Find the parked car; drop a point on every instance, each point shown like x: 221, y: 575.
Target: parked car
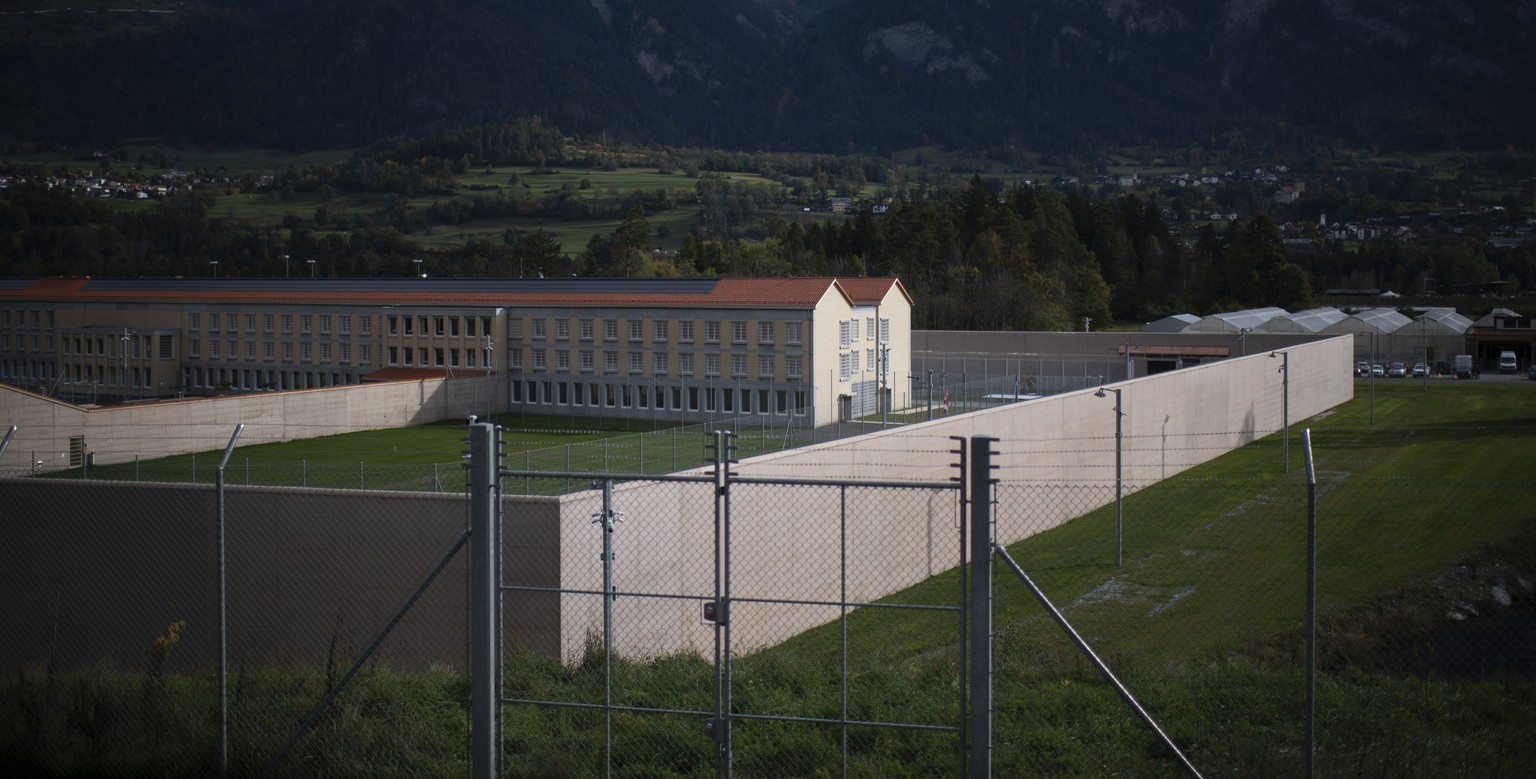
x: 1397, y: 370
x: 1378, y: 370
x: 1420, y: 370
x: 1507, y: 362
x: 1531, y: 372
x: 1362, y: 368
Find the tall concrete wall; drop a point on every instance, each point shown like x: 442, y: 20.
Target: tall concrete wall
x: 116, y: 434
x: 787, y: 539
x: 94, y: 571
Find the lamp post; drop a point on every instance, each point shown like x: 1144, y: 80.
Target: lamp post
x: 1424, y: 328
x: 1242, y: 341
x: 930, y: 390
x: 285, y: 266
x: 490, y: 394
x: 126, y: 337
x: 1119, y: 449
x: 215, y: 265
x: 1285, y: 370
x: 311, y: 268
x: 419, y: 274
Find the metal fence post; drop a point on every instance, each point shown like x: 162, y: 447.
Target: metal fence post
x: 607, y: 518
x: 1306, y: 445
x: 224, y: 609
x: 980, y: 489
x: 482, y: 533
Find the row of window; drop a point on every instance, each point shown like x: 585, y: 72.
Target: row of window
x: 848, y: 331
x: 307, y: 323
x: 853, y: 362
x: 729, y: 400
x: 661, y: 363
x: 37, y: 316
x: 661, y: 330
x: 230, y: 350
x: 447, y: 326
x: 37, y: 341
x: 439, y: 357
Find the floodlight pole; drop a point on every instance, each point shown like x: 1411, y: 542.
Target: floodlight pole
x: 1424, y: 329
x: 1285, y: 370
x: 1242, y: 341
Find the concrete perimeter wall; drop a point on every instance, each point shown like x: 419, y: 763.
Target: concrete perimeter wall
x: 116, y: 434
x: 786, y: 540
x: 94, y: 571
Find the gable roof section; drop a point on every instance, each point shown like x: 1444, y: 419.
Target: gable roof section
x: 864, y: 290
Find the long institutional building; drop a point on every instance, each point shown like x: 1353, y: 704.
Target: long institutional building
x: 672, y: 349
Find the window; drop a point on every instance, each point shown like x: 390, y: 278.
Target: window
x: 844, y: 365
x: 636, y: 329
x: 885, y: 330
x: 585, y: 329
x: 288, y: 352
x: 685, y: 364
x: 562, y: 359
x: 515, y: 356
x: 344, y: 323
x: 437, y: 357
x: 346, y: 354
x: 422, y: 328
x: 469, y: 327
x: 685, y: 332
x: 586, y: 360
x: 659, y: 331
x: 869, y: 328
x: 869, y: 359
x: 538, y: 359
x: 438, y: 326
x: 325, y: 352
x: 636, y: 362
x: 365, y: 354
x: 287, y: 323
x: 855, y: 360
x: 194, y: 348
x: 325, y: 324
x: 194, y: 321
x: 765, y: 366
x: 538, y: 328
x: 232, y: 349
x: 453, y: 355
x: 659, y: 363
x: 712, y: 332
x: 792, y: 332
x: 394, y: 356
x: 562, y: 328
x: 365, y: 325
x: 250, y: 350
x: 266, y: 351
x: 738, y: 365
x: 306, y: 352
x: 453, y: 326
x: 844, y: 333
x: 304, y: 323
x: 738, y: 332
x: 232, y: 321
x: 854, y: 328
x: 610, y: 362
x: 266, y: 323
x: 765, y: 332
x: 711, y: 365
x: 610, y: 329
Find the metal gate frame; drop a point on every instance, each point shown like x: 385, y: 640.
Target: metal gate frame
x: 717, y: 609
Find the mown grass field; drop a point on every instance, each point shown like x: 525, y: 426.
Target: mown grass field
x: 1420, y: 514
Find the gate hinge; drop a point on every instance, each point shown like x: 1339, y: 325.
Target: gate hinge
x: 715, y: 611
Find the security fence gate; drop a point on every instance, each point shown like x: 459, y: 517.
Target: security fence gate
x: 699, y: 625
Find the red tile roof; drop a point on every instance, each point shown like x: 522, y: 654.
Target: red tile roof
x: 727, y: 292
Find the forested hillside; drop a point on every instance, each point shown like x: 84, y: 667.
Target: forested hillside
x: 1060, y: 76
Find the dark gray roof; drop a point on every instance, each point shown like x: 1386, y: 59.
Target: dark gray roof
x: 567, y: 285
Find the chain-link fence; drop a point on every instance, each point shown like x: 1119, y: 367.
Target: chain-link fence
x: 679, y: 625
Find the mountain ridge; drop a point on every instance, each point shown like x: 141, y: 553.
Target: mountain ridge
x: 823, y: 75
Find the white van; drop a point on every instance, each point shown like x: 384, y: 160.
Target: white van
x: 1507, y: 361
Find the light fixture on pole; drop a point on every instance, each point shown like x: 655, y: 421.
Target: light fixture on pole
x: 215, y: 265
x: 419, y: 273
x: 1119, y: 449
x: 285, y: 266
x: 1242, y: 341
x: 311, y: 268
x: 1285, y: 369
